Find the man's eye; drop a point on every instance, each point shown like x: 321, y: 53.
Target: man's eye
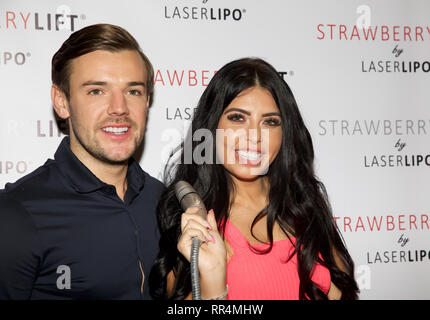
x: 235, y: 117
x: 135, y: 92
x: 95, y: 92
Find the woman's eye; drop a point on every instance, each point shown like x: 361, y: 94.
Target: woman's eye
x: 235, y: 117
x: 95, y: 92
x: 273, y: 122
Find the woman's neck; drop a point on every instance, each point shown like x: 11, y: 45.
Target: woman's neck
x: 254, y: 194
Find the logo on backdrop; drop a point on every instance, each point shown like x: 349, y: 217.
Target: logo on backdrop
x: 399, y: 225
x: 61, y: 19
x: 35, y: 128
x: 20, y: 128
x: 404, y: 254
x: 15, y: 166
x: 50, y: 128
x: 381, y: 223
x: 395, y: 66
x: 14, y: 58
x: 202, y: 11
x: 189, y: 78
x: 364, y: 31
x: 399, y: 156
x: 183, y: 78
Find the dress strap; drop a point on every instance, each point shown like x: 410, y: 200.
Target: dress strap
x: 233, y: 235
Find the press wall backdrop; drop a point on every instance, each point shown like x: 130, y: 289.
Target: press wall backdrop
x: 360, y: 72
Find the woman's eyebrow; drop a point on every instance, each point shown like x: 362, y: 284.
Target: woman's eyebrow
x: 272, y: 114
x: 249, y: 113
x: 237, y: 110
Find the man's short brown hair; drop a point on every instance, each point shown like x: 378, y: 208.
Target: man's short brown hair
x: 95, y: 37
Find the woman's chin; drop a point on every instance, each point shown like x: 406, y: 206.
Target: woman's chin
x: 247, y: 174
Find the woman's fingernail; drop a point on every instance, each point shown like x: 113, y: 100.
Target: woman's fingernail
x: 208, y: 238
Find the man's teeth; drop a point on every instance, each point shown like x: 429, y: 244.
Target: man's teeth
x: 249, y: 154
x: 115, y: 130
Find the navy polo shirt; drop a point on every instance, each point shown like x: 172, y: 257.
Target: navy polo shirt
x: 65, y: 234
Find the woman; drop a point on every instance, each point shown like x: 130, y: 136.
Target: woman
x: 270, y: 233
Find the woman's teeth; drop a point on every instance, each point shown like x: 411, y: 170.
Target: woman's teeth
x: 251, y: 155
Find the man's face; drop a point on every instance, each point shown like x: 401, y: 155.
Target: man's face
x: 108, y: 105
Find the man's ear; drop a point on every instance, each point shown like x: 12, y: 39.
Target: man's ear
x: 60, y: 102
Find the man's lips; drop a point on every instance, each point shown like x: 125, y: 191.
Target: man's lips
x: 116, y: 130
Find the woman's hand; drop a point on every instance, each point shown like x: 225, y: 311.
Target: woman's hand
x: 212, y: 253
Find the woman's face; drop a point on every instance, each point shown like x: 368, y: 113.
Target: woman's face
x: 249, y: 134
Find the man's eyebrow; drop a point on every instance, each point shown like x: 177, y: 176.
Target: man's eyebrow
x: 136, y: 83
x: 104, y: 83
x: 94, y: 83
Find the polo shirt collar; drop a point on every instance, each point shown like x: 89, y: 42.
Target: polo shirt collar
x: 83, y: 180
x: 135, y: 176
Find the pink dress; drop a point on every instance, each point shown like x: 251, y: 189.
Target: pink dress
x: 253, y: 276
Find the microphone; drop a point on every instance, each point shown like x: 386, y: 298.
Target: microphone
x: 188, y: 197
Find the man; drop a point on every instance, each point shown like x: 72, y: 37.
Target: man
x: 83, y: 226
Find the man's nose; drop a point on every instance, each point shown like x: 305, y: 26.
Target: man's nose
x: 118, y: 104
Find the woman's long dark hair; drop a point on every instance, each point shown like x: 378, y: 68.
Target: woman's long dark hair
x: 297, y: 200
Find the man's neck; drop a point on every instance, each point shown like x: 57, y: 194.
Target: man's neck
x: 109, y: 173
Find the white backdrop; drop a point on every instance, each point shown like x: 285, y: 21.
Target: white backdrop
x: 360, y: 73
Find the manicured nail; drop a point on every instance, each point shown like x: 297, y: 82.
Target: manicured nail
x: 208, y: 237
x: 212, y: 238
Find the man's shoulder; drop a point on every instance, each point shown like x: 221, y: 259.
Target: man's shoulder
x: 152, y: 181
x: 31, y: 184
x: 152, y: 186
x: 8, y: 203
x: 15, y: 221
x: 19, y: 199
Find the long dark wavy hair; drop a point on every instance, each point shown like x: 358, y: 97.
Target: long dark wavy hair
x: 298, y: 201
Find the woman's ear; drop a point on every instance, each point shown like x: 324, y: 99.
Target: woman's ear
x: 60, y: 102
